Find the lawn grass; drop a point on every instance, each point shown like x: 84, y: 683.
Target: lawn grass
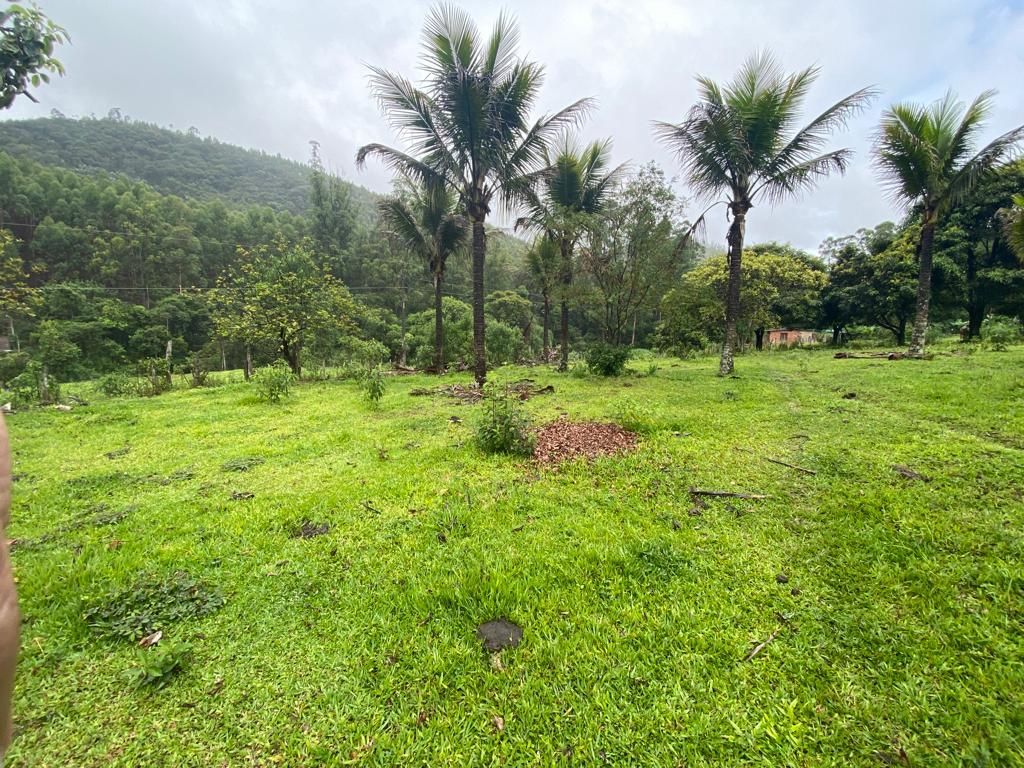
x: 897, y: 605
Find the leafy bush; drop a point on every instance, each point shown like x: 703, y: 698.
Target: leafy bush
x: 12, y: 364
x: 636, y: 417
x: 606, y: 359
x: 151, y: 604
x: 374, y: 385
x: 156, y: 376
x: 33, y: 386
x: 273, y: 382
x: 1000, y: 332
x: 118, y: 385
x: 504, y: 426
x: 198, y: 371
x: 157, y: 664
x: 505, y: 344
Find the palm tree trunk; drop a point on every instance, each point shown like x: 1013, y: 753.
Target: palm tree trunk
x: 547, y: 315
x: 563, y: 361
x: 438, y: 326
x: 924, y: 286
x: 732, y: 295
x: 479, y: 349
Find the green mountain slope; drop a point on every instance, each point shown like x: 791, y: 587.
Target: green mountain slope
x: 170, y: 161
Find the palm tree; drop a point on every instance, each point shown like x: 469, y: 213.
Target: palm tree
x: 467, y: 127
x: 562, y: 204
x: 543, y: 262
x: 738, y: 145
x: 924, y: 154
x: 424, y: 219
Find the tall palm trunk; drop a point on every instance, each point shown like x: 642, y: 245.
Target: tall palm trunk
x: 924, y: 286
x: 563, y: 362
x: 547, y: 315
x: 479, y: 350
x: 732, y: 294
x: 438, y: 325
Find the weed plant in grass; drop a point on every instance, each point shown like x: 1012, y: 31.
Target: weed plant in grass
x: 885, y: 609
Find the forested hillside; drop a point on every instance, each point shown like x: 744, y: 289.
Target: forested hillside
x: 174, y: 162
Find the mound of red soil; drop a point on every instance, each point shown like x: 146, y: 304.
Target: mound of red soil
x: 564, y: 440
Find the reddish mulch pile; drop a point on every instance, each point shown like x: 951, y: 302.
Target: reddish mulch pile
x: 564, y: 440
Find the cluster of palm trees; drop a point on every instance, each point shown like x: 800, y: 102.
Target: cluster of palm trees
x: 470, y: 145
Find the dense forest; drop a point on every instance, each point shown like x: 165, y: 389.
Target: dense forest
x: 173, y: 162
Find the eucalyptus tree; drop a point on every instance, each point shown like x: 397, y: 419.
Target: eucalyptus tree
x: 739, y: 146
x: 426, y: 221
x: 467, y: 126
x: 927, y: 159
x: 564, y: 202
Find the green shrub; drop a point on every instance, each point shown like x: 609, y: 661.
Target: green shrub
x: 273, y: 382
x: 199, y: 372
x: 33, y: 386
x: 606, y: 359
x: 1000, y: 332
x: 12, y: 364
x: 636, y: 417
x: 374, y: 385
x: 157, y: 664
x: 118, y: 385
x: 504, y: 426
x: 156, y: 376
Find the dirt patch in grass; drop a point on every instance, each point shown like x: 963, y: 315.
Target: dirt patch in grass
x: 310, y: 530
x: 563, y: 440
x: 499, y: 634
x: 524, y: 389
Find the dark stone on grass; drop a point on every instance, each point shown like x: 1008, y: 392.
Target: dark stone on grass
x: 118, y: 452
x: 241, y: 495
x: 310, y: 530
x: 782, y: 578
x: 499, y: 634
x: 850, y: 396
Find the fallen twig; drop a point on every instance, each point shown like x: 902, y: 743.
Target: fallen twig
x: 908, y: 473
x: 805, y: 470
x: 761, y: 646
x: 729, y: 494
x: 781, y: 462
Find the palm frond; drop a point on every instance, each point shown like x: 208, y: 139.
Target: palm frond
x: 449, y: 41
x: 810, y: 139
x: 803, y: 176
x: 400, y: 220
x: 984, y: 162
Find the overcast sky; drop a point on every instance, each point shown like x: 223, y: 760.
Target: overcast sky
x: 274, y: 75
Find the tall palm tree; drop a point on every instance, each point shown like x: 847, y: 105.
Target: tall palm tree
x: 426, y: 221
x: 467, y: 126
x: 543, y: 262
x: 926, y: 157
x: 563, y: 202
x: 738, y: 145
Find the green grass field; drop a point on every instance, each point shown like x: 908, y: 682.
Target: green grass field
x: 896, y: 604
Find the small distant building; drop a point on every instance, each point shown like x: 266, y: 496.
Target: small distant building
x: 788, y: 337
